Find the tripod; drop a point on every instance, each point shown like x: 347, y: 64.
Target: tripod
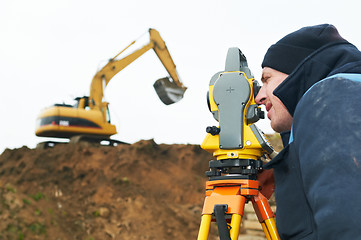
x: 227, y: 194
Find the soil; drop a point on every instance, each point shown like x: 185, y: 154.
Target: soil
x: 90, y: 192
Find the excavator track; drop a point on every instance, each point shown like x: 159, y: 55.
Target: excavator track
x: 96, y: 139
x: 79, y: 139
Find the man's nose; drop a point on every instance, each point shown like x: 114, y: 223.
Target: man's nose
x: 261, y: 96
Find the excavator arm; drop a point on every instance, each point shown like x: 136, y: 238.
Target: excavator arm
x: 169, y: 92
x: 163, y: 54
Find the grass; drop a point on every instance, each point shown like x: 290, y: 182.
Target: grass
x: 38, y: 228
x: 38, y: 196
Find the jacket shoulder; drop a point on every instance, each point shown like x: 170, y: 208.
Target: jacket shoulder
x: 326, y: 132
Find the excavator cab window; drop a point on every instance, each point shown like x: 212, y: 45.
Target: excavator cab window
x: 108, y: 115
x: 82, y: 102
x: 76, y: 104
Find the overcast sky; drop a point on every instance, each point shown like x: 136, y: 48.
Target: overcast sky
x: 50, y: 51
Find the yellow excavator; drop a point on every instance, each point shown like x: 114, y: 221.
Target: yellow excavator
x: 89, y: 118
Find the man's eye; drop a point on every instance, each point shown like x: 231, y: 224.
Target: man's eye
x: 265, y: 80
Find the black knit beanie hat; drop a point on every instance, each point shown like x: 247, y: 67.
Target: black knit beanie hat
x: 287, y: 53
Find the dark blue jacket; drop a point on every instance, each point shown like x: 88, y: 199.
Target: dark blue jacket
x: 318, y: 173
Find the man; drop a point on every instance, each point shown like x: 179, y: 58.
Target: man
x: 312, y: 93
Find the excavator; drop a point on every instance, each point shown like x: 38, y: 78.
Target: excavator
x: 89, y: 119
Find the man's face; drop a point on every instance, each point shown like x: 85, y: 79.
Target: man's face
x: 280, y: 118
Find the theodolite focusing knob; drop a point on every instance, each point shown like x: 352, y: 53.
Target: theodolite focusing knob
x: 213, y: 130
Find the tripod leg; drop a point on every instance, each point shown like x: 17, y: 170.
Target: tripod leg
x: 205, y: 226
x: 265, y: 216
x: 271, y: 227
x: 265, y: 230
x: 235, y: 224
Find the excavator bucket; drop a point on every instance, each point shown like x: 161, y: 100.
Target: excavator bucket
x: 168, y: 91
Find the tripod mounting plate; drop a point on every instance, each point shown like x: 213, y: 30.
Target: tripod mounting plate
x: 234, y: 169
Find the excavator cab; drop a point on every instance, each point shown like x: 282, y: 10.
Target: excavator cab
x: 168, y: 91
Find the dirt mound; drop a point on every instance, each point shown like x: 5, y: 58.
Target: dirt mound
x: 73, y: 191
x: 138, y: 191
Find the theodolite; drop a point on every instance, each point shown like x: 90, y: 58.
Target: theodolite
x: 239, y: 148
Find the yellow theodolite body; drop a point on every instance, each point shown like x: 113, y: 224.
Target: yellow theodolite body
x: 231, y: 101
